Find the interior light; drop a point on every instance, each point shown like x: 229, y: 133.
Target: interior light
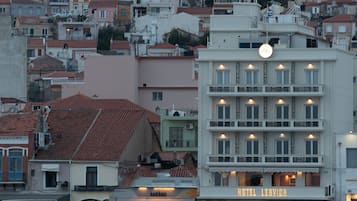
x: 251, y: 101
x: 309, y: 101
x: 280, y: 101
x: 311, y: 136
x: 222, y: 101
x: 310, y: 66
x: 223, y: 136
x: 250, y: 66
x: 221, y: 67
x: 281, y: 66
x: 282, y: 135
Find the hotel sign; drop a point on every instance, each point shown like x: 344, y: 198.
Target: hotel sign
x: 262, y: 192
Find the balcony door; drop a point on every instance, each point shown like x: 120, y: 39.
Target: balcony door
x: 312, y: 115
x: 223, y: 115
x: 251, y: 77
x: 282, y: 77
x: 223, y: 148
x: 282, y: 113
x: 252, y: 151
x: 312, y: 147
x: 282, y: 150
x: 91, y: 177
x: 312, y: 76
x: 222, y: 80
x: 252, y: 115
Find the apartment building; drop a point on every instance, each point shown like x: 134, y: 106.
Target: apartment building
x: 270, y: 107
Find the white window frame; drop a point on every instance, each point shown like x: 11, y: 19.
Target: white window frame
x: 252, y: 77
x: 223, y: 77
x: 282, y: 76
x: 312, y: 76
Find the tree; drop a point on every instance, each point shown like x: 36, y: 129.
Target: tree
x: 180, y: 38
x: 106, y: 34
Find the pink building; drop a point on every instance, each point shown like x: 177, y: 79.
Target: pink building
x: 104, y: 11
x: 152, y: 82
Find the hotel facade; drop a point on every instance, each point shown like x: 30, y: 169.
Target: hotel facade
x: 272, y: 98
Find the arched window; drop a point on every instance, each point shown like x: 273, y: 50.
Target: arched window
x: 15, y: 165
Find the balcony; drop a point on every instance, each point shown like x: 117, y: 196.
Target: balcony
x: 265, y: 160
x: 265, y: 90
x: 265, y: 125
x: 58, y: 2
x: 264, y: 193
x: 94, y: 188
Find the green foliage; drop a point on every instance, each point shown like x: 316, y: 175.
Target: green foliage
x: 182, y: 39
x: 106, y: 34
x: 209, y: 3
x: 263, y: 3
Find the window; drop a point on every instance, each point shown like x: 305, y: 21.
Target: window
x: 252, y: 179
x: 222, y: 77
x: 252, y: 76
x: 223, y: 111
x: 2, y: 10
x: 311, y: 111
x: 252, y: 147
x: 123, y: 12
x: 30, y: 53
x: 221, y: 179
x: 311, y: 147
x: 282, y: 76
x: 252, y: 112
x: 25, y: 31
x: 223, y: 147
x: 102, y: 14
x: 351, y: 154
x: 311, y: 76
x: 50, y: 179
x: 175, y: 137
x: 31, y: 32
x: 39, y: 52
x: 328, y: 28
x: 44, y: 32
x: 282, y: 112
x: 156, y: 96
x: 91, y: 176
x: 282, y: 147
x: 311, y: 43
x: 15, y: 164
x: 342, y: 28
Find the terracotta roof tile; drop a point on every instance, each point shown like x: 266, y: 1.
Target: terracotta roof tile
x: 73, y: 43
x: 46, y: 63
x: 181, y: 171
x: 34, y: 42
x: 5, y: 1
x: 18, y: 124
x: 163, y: 46
x: 103, y: 3
x: 110, y: 124
x: 340, y: 18
x: 10, y: 100
x: 170, y: 156
x: 59, y: 74
x: 30, y: 20
x: 195, y: 11
x: 119, y: 44
x: 27, y: 1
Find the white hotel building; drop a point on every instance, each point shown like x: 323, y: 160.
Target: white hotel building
x: 268, y: 122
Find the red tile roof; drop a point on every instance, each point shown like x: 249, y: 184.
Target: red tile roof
x: 340, y: 18
x: 119, y: 44
x: 46, y: 63
x: 18, y: 124
x: 37, y: 43
x: 10, y: 100
x: 59, y: 74
x: 163, y: 46
x: 195, y: 11
x: 34, y: 42
x: 30, y: 20
x: 181, y: 171
x: 73, y: 43
x: 27, y: 1
x: 91, y: 129
x: 103, y: 4
x: 5, y: 1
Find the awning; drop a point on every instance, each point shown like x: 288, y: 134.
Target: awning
x: 50, y: 167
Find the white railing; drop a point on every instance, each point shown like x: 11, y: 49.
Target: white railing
x: 267, y: 160
x: 274, y: 123
x: 265, y: 90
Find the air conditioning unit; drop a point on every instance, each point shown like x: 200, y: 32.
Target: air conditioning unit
x: 189, y: 126
x: 42, y: 140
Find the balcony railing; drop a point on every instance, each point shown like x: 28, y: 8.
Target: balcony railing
x: 265, y: 90
x: 289, y: 124
x: 268, y: 160
x: 94, y: 188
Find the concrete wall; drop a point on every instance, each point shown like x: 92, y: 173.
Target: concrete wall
x: 13, y: 70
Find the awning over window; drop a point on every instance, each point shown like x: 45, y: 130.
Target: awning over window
x: 50, y: 167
